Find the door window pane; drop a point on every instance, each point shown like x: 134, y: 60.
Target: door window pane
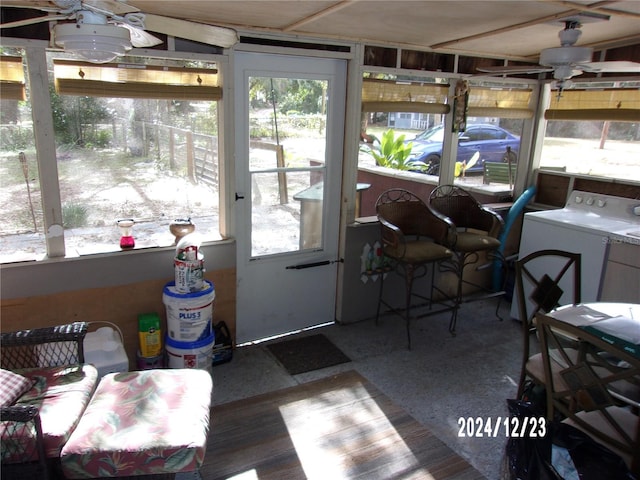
x: 286, y: 164
x: 286, y: 223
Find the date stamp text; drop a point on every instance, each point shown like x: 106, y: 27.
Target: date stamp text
x: 510, y: 427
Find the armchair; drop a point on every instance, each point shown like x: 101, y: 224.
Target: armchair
x: 57, y: 386
x: 475, y: 231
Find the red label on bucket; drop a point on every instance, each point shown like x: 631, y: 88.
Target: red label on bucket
x: 189, y: 275
x: 190, y: 361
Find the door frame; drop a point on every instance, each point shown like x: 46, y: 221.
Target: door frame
x: 307, y: 67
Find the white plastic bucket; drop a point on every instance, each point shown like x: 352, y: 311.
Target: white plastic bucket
x: 189, y: 315
x: 190, y: 354
x: 189, y: 274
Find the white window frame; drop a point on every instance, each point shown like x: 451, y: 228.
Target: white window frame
x: 35, y: 53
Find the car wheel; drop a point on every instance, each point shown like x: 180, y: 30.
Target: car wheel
x: 433, y: 161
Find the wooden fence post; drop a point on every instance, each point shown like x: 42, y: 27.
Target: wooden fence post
x: 145, y: 144
x: 124, y: 136
x: 158, y: 146
x: 191, y: 160
x: 282, y: 176
x: 172, y: 153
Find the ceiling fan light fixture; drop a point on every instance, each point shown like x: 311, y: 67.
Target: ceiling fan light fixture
x: 554, y: 57
x: 94, y: 43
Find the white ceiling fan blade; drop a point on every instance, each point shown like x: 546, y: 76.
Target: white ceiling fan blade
x: 621, y: 66
x: 140, y: 38
x: 198, y: 32
x: 514, y: 69
x: 33, y: 21
x: 34, y: 4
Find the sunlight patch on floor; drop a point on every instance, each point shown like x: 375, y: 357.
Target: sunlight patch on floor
x: 332, y: 440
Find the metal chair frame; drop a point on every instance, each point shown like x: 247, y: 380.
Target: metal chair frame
x: 547, y: 292
x: 459, y: 208
x: 408, y: 224
x: 583, y: 399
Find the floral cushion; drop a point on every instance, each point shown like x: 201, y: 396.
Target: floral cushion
x: 12, y: 386
x: 140, y: 423
x: 61, y: 395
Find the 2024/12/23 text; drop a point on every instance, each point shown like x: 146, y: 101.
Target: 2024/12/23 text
x: 514, y: 427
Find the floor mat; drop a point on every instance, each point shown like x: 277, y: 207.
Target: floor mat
x: 305, y: 354
x: 340, y: 427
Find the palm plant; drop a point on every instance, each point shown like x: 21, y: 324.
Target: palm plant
x: 393, y: 152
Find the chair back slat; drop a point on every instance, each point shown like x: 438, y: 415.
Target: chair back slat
x: 462, y: 208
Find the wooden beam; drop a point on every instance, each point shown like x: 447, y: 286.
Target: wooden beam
x: 596, y: 8
x: 537, y: 21
x: 506, y: 29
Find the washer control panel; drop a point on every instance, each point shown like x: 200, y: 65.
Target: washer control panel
x: 604, y: 205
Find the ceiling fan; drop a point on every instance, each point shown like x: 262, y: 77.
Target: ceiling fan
x: 567, y: 60
x: 105, y: 29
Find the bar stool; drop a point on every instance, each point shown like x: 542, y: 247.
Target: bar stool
x: 475, y: 231
x: 412, y: 239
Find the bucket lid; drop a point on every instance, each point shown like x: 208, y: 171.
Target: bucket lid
x: 170, y: 290
x: 205, y: 342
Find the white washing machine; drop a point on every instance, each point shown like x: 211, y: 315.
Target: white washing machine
x: 586, y: 225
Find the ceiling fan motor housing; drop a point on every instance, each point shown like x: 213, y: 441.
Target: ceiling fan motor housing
x: 95, y: 43
x: 555, y: 57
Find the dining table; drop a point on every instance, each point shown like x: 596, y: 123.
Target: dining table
x: 618, y: 324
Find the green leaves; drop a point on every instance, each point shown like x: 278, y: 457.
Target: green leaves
x: 393, y: 152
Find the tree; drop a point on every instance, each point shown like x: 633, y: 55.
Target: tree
x: 73, y: 116
x: 289, y: 95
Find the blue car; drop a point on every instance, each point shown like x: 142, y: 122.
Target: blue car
x: 491, y: 141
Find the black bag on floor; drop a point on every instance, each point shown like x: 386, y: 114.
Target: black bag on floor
x: 223, y: 346
x: 530, y: 458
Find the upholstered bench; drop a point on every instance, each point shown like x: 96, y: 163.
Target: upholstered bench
x: 152, y: 422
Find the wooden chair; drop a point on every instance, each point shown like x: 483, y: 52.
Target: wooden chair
x: 538, y: 278
x: 583, y: 398
x: 412, y: 238
x: 499, y: 172
x: 475, y: 231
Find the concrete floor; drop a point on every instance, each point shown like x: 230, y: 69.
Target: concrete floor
x: 441, y: 380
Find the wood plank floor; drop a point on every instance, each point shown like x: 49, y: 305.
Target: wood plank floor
x: 340, y: 427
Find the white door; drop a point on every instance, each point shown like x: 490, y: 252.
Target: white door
x: 288, y: 153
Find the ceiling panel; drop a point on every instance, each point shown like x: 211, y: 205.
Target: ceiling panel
x: 527, y: 41
x: 514, y: 29
x: 425, y: 23
x: 242, y: 13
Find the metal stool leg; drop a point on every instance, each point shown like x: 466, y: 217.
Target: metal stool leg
x: 380, y: 297
x: 408, y: 286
